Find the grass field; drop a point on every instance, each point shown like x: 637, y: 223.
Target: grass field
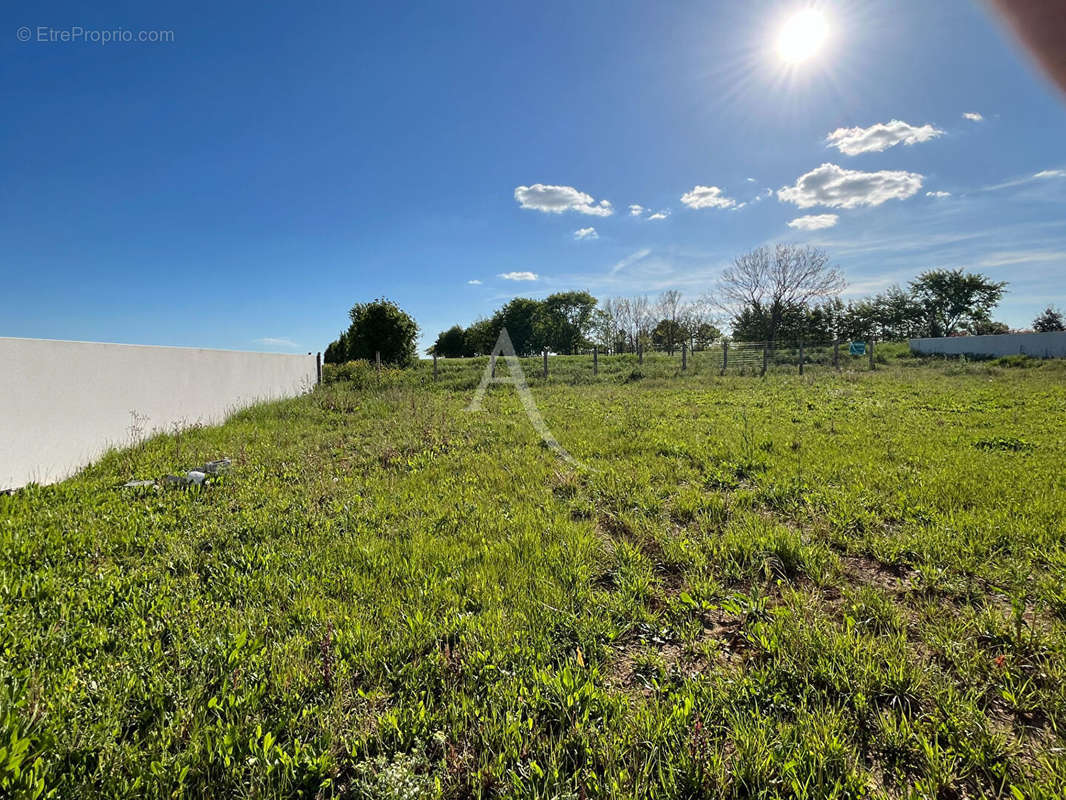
x: 835, y: 585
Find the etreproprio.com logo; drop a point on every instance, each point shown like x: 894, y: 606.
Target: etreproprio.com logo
x: 77, y: 34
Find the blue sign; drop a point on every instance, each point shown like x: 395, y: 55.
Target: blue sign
x: 857, y: 349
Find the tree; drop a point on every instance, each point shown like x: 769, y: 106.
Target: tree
x: 479, y: 338
x: 667, y: 333
x: 564, y: 321
x: 450, y: 343
x: 1050, y: 320
x: 337, y: 351
x: 518, y: 316
x: 382, y: 327
x: 987, y: 327
x: 670, y: 310
x: 770, y: 284
x: 951, y: 298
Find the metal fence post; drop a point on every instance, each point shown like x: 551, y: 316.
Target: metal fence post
x: 640, y: 353
x: 725, y: 356
x: 377, y: 359
x: 545, y: 363
x: 595, y: 361
x: 870, y: 350
x: 801, y: 356
x: 836, y: 353
x: 684, y: 356
x: 318, y: 366
x: 492, y: 359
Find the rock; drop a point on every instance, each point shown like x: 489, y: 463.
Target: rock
x: 195, y: 477
x: 135, y: 484
x: 217, y: 467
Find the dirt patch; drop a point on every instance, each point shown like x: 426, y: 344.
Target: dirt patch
x: 861, y: 569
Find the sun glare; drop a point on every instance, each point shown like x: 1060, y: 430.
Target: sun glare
x: 802, y: 36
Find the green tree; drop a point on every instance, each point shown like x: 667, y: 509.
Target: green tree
x: 450, y: 343
x: 951, y: 299
x: 519, y: 317
x: 479, y: 338
x: 382, y: 327
x: 1049, y: 321
x: 337, y: 351
x: 564, y: 321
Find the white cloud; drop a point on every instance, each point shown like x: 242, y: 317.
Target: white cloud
x: 836, y: 187
x: 750, y: 180
x: 883, y: 135
x: 1051, y: 173
x: 1009, y: 257
x: 707, y: 197
x: 814, y: 222
x: 557, y: 199
x: 973, y: 116
x: 586, y: 233
x: 636, y: 210
x: 630, y: 260
x: 659, y: 215
x: 277, y: 341
x: 518, y: 276
x: 474, y: 282
x: 938, y: 195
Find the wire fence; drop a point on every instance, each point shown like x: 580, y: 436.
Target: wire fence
x: 757, y: 357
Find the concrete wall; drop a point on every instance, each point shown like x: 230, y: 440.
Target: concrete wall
x: 1039, y: 345
x: 63, y: 404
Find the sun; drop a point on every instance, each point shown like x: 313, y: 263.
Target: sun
x: 802, y: 36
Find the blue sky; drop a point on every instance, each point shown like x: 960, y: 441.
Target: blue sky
x: 242, y: 185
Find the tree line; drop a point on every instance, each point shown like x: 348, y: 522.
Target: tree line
x: 781, y: 294
x: 784, y: 293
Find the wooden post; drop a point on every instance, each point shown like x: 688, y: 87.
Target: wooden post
x: 836, y: 353
x: 725, y: 356
x: 870, y: 350
x: 318, y: 366
x: 377, y: 359
x: 545, y: 363
x: 765, y: 357
x: 684, y: 356
x: 434, y: 366
x: 595, y: 361
x: 801, y: 356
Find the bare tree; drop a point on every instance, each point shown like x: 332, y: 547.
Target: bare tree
x: 670, y: 308
x: 640, y: 317
x: 770, y: 283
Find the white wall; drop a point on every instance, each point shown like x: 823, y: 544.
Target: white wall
x: 1039, y: 345
x: 63, y: 404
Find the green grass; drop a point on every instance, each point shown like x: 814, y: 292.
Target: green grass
x: 835, y: 585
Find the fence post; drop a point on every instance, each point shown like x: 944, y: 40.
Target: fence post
x: 765, y: 357
x: 684, y: 356
x: 870, y: 350
x: 318, y: 366
x: 640, y: 353
x: 545, y: 363
x: 801, y: 356
x: 595, y: 361
x: 434, y: 366
x: 725, y: 356
x: 836, y: 353
x: 377, y: 359
x: 492, y: 358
